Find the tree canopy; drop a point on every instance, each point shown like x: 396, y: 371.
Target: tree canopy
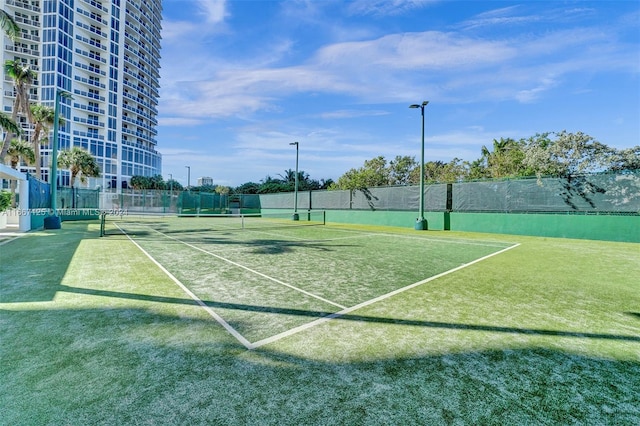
x: 552, y: 154
x: 80, y: 163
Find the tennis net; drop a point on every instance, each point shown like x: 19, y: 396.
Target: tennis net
x: 122, y: 222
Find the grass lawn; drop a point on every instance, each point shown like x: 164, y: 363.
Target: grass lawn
x: 97, y: 331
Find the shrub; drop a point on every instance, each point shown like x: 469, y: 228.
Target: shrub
x: 5, y: 200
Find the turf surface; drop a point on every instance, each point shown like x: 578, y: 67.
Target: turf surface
x: 94, y: 332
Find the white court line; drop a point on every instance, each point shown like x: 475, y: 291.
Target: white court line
x: 10, y: 239
x: 412, y: 237
x: 370, y: 302
x: 204, y: 306
x: 311, y: 324
x: 253, y: 271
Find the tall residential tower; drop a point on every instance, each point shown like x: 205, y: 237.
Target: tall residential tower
x: 106, y: 54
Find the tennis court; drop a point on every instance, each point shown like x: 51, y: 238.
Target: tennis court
x: 266, y: 277
x: 209, y: 320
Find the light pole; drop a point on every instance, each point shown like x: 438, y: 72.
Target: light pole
x: 295, y: 190
x: 421, y: 222
x: 188, y: 177
x: 170, y: 182
x: 53, y: 221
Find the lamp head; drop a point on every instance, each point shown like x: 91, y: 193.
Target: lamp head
x: 293, y: 143
x: 424, y: 104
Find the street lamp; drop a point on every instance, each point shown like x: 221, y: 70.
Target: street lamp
x: 53, y: 221
x: 188, y: 177
x: 421, y: 222
x: 295, y: 191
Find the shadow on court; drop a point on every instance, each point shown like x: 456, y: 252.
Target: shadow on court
x: 351, y: 317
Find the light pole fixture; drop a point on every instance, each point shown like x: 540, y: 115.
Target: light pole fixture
x: 421, y: 222
x: 295, y: 190
x: 188, y: 177
x: 53, y: 220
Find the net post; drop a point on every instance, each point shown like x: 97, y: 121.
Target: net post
x: 103, y: 216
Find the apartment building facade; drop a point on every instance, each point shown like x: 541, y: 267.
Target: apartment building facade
x: 106, y: 56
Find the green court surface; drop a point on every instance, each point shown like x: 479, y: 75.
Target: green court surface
x: 273, y: 279
x: 200, y: 321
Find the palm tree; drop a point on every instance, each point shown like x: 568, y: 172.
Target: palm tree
x: 289, y: 176
x: 8, y: 124
x: 43, y: 117
x: 506, y: 160
x: 9, y: 26
x: 80, y: 163
x: 20, y: 150
x: 23, y: 76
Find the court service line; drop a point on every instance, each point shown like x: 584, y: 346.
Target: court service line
x: 428, y: 239
x: 253, y: 271
x: 203, y: 305
x: 371, y: 301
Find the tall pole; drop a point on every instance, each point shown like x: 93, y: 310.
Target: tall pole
x: 421, y: 222
x: 295, y: 190
x: 188, y: 177
x: 53, y: 221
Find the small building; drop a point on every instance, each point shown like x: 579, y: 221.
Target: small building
x: 205, y: 181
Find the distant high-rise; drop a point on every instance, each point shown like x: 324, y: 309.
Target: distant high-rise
x: 205, y: 181
x: 106, y: 54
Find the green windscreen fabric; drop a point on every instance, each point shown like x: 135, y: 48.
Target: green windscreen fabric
x: 606, y: 193
x: 39, y: 194
x: 595, y: 193
x: 78, y: 198
x: 379, y: 198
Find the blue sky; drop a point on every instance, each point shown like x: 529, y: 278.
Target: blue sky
x: 241, y: 80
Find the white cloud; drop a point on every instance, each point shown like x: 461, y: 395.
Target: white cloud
x: 386, y: 7
x: 214, y: 11
x: 352, y: 113
x: 392, y: 68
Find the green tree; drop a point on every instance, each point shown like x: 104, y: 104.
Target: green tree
x: 506, y: 160
x: 5, y: 200
x: 157, y: 182
x: 477, y: 170
x: 20, y: 150
x: 401, y: 169
x: 80, y: 163
x: 139, y: 182
x: 149, y: 182
x: 174, y: 185
x: 271, y: 185
x: 373, y: 173
x: 440, y: 172
x: 247, y: 188
x: 9, y: 25
x: 6, y: 123
x: 568, y: 154
x: 624, y: 159
x: 43, y: 117
x: 288, y: 177
x: 23, y: 77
